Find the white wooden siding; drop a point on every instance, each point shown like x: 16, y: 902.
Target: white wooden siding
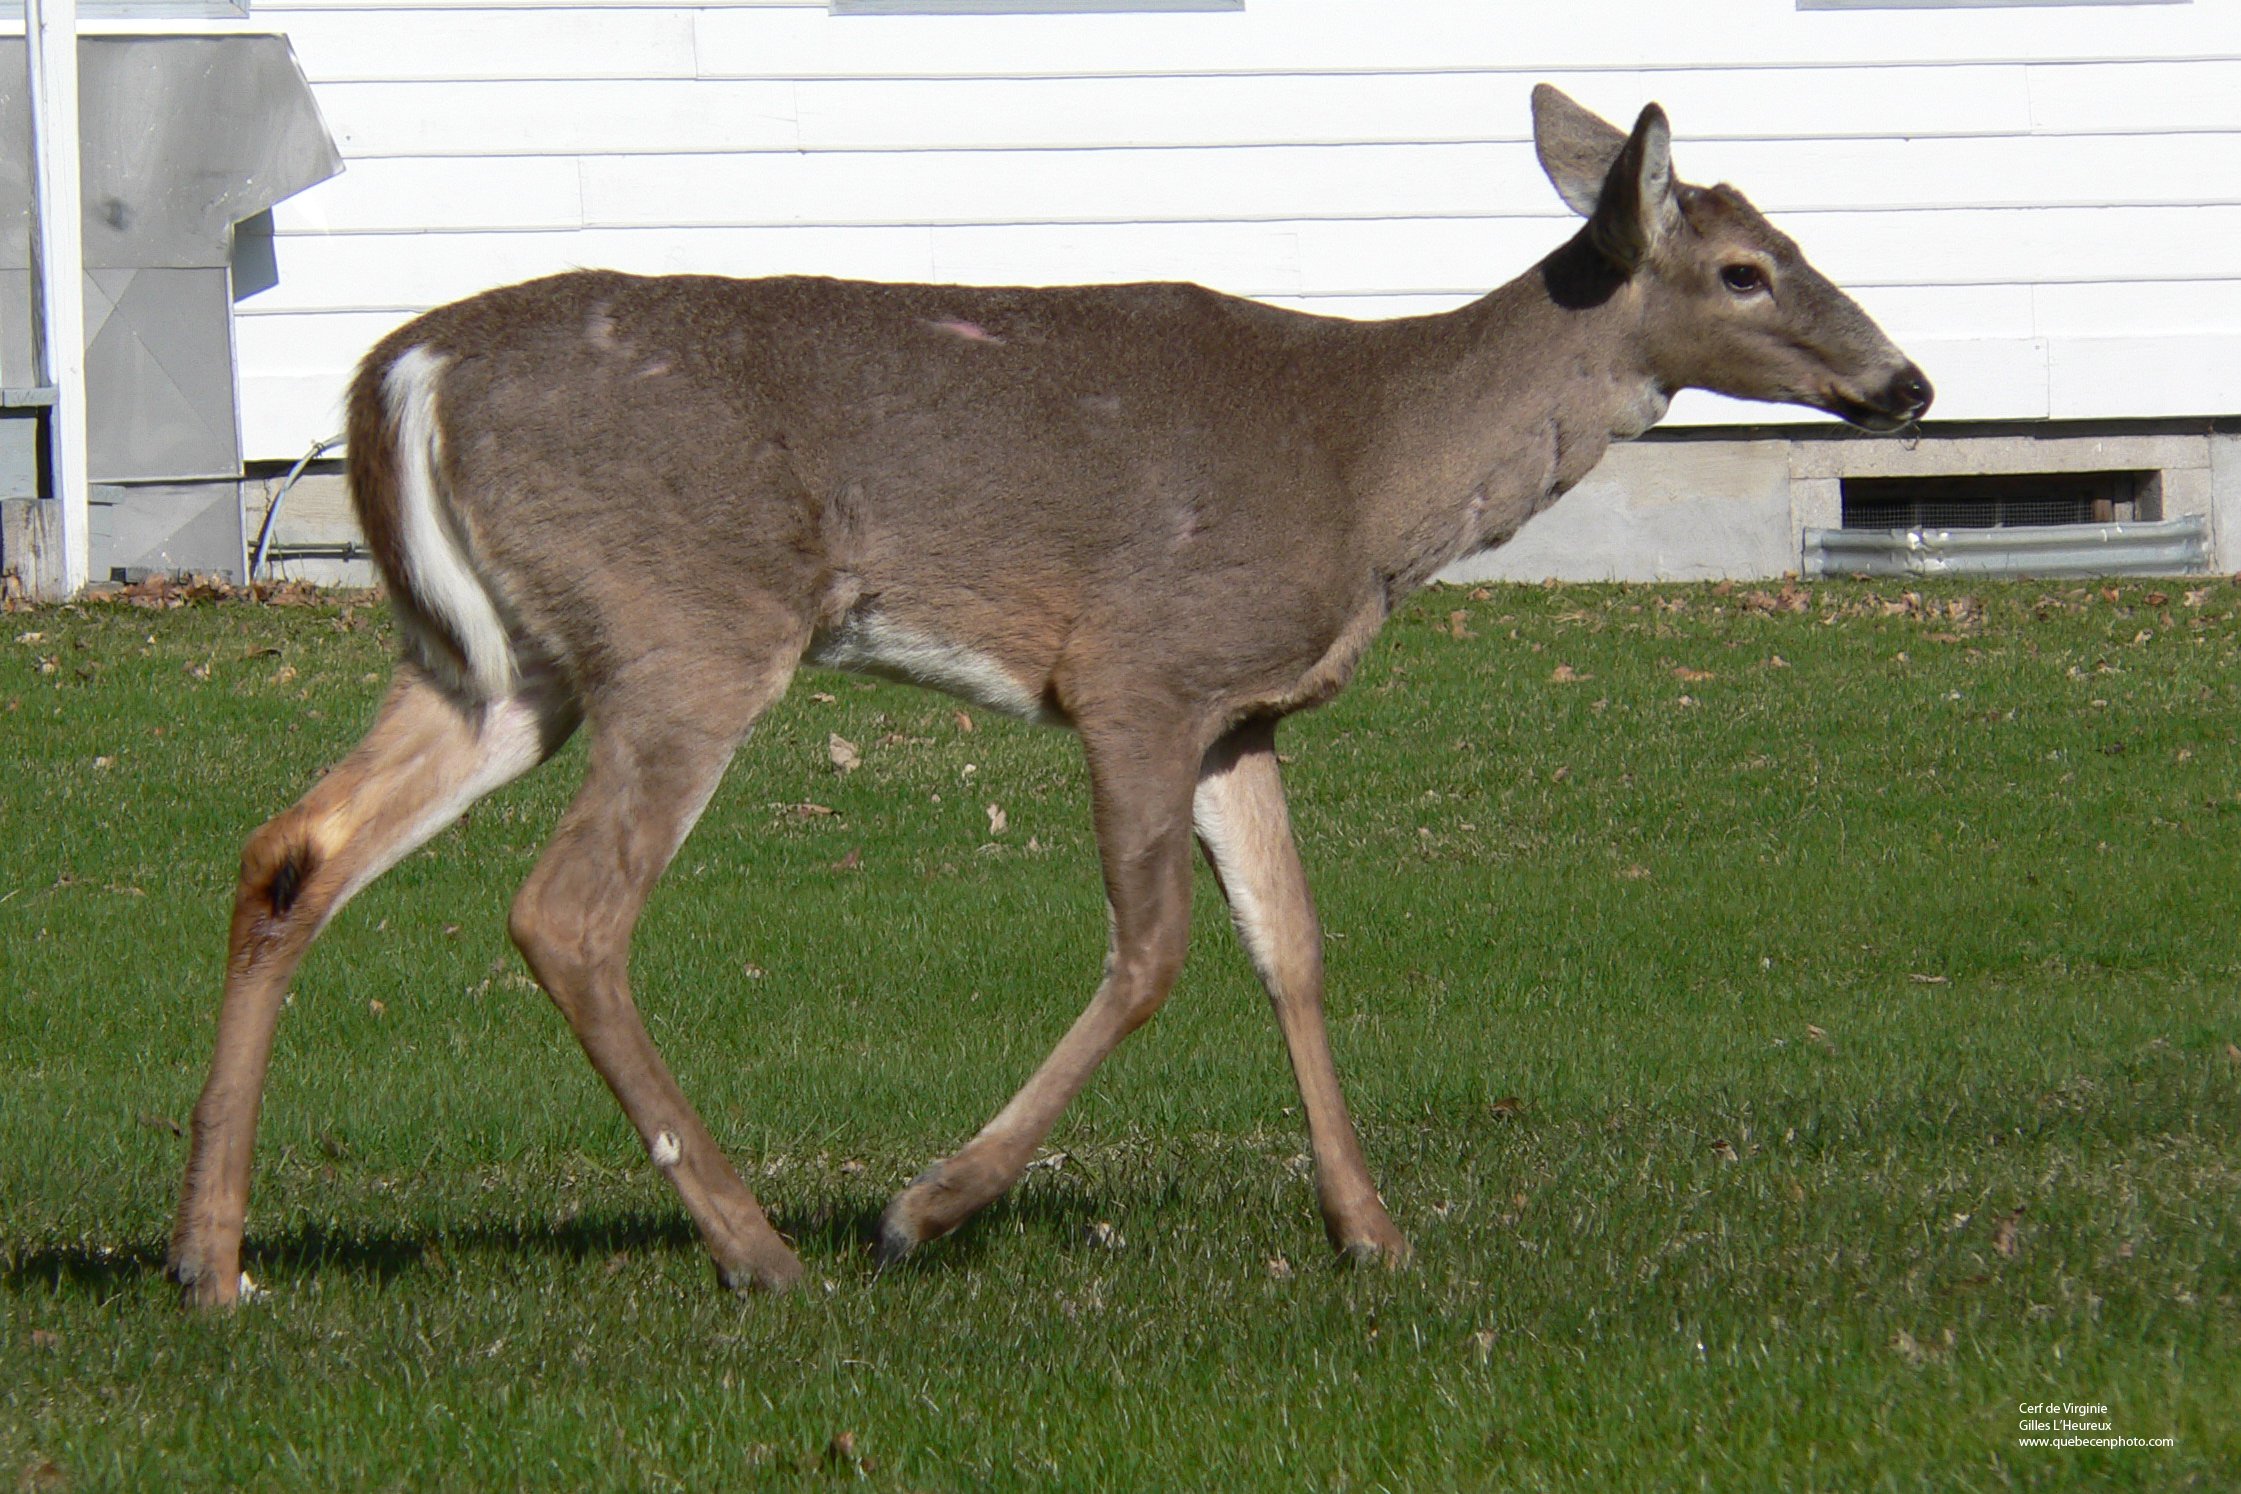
x: 2042, y: 204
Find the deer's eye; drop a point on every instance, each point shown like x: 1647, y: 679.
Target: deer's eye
x: 1743, y: 279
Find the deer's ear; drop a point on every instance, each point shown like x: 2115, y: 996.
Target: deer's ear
x: 1636, y: 206
x: 1576, y: 148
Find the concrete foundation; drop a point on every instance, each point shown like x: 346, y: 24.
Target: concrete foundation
x: 1735, y: 505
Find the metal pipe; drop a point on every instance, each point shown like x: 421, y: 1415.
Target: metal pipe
x: 272, y: 510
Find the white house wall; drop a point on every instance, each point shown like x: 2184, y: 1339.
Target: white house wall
x: 2041, y: 203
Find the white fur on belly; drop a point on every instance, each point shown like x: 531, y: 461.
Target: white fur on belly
x: 868, y: 643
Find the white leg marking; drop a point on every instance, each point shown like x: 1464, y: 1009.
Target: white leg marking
x: 511, y: 734
x: 666, y: 1151
x: 1225, y: 839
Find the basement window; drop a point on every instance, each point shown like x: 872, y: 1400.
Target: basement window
x: 2007, y: 501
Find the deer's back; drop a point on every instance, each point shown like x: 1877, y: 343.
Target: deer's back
x: 1100, y: 467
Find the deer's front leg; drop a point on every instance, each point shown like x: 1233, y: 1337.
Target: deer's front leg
x: 1141, y: 789
x: 1247, y: 833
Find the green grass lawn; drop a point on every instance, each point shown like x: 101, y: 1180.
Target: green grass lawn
x: 1797, y: 1030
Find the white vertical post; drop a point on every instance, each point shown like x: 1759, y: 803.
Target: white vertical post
x: 58, y: 296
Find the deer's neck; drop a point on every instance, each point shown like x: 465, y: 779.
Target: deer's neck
x: 1484, y: 416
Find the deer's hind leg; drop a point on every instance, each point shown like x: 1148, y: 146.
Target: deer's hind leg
x: 659, y: 746
x: 428, y: 756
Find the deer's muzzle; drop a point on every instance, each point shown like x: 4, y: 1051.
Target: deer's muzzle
x: 1899, y: 403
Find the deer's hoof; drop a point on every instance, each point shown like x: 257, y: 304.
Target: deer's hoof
x: 893, y: 1241
x: 1388, y: 1250
x: 203, y: 1287
x: 922, y: 1211
x: 775, y: 1271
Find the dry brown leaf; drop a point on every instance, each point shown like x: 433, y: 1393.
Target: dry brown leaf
x: 823, y: 697
x: 843, y: 753
x: 808, y: 811
x: 1457, y: 624
x: 998, y: 821
x: 841, y: 1451
x: 1279, y: 1268
x: 1565, y: 674
x: 1507, y: 1106
x: 1633, y: 871
x: 1691, y: 676
x: 1926, y: 980
x: 964, y: 720
x: 377, y: 1006
x: 1915, y: 1352
x: 2003, y: 1232
x: 1819, y: 1037
x: 2157, y: 599
x: 851, y: 861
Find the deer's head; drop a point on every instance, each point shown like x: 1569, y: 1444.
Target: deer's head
x: 1727, y: 301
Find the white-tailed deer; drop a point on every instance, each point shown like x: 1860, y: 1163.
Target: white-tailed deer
x: 1163, y: 517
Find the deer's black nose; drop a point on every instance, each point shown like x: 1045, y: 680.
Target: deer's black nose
x: 1909, y: 393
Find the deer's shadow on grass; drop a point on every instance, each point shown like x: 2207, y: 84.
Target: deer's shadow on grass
x: 830, y: 1233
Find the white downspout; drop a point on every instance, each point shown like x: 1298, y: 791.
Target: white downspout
x: 58, y: 275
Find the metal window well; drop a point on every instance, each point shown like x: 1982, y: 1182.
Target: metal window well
x: 182, y: 139
x: 2085, y: 523
x: 2169, y: 547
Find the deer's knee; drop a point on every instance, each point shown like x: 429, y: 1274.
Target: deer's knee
x: 562, y: 937
x: 1142, y: 976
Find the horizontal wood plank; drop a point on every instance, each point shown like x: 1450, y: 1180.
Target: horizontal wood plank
x: 1385, y: 181
x: 586, y: 116
x: 1281, y: 36
x: 479, y: 45
x: 505, y: 194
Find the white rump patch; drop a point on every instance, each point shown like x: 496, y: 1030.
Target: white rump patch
x: 667, y: 1151
x: 437, y: 572
x: 867, y: 643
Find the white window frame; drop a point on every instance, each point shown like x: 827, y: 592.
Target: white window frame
x: 1963, y: 4
x: 163, y: 10
x: 1019, y: 7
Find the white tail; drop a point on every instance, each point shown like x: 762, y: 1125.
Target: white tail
x: 437, y: 573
